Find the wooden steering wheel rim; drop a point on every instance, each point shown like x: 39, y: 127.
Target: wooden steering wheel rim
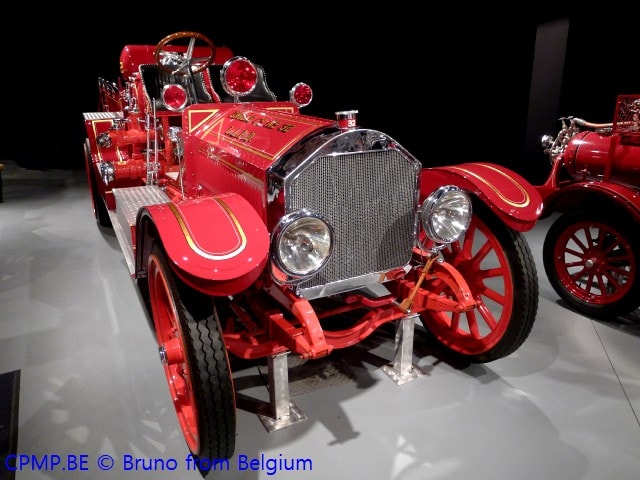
x: 175, y: 36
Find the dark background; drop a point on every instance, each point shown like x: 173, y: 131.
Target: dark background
x: 449, y: 98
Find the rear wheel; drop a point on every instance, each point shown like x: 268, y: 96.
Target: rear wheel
x: 591, y: 261
x: 195, y: 361
x: 497, y: 264
x: 99, y: 207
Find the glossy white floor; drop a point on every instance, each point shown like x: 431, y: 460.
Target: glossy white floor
x: 72, y: 322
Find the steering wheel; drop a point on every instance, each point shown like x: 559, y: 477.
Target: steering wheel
x: 179, y: 63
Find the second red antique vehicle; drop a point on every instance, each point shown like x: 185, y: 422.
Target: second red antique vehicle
x: 591, y: 251
x: 260, y: 231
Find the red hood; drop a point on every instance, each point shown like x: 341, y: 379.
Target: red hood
x: 257, y: 135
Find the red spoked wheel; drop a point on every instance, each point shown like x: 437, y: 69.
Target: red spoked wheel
x: 591, y: 263
x: 497, y: 264
x: 195, y: 361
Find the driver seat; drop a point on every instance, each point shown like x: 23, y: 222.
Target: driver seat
x: 154, y: 79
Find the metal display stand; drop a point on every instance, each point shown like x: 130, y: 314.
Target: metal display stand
x: 281, y: 411
x: 402, y: 369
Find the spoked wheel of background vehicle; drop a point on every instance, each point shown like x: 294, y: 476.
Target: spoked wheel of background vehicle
x: 591, y: 261
x: 497, y: 264
x: 195, y: 361
x: 99, y: 207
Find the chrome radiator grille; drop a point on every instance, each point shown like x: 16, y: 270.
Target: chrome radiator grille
x: 369, y: 199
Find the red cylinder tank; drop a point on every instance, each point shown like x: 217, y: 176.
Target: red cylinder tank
x: 589, y: 153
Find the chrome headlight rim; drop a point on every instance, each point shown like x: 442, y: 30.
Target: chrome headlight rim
x: 283, y: 225
x: 426, y: 212
x: 223, y: 77
x: 180, y: 107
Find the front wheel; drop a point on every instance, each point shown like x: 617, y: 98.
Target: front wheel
x: 497, y: 264
x: 591, y: 263
x: 195, y: 361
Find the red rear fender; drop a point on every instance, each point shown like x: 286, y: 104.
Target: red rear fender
x: 592, y: 195
x: 514, y: 200
x: 218, y: 245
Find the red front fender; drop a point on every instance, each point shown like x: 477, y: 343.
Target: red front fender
x: 514, y: 200
x: 218, y: 245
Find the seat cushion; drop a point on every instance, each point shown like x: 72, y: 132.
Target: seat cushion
x: 154, y: 79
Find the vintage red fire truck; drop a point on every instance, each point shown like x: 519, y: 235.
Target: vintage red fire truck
x: 259, y: 231
x: 590, y: 251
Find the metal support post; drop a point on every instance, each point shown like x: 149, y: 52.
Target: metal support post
x: 281, y: 411
x: 402, y: 370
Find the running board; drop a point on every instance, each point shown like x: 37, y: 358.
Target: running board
x: 128, y: 202
x: 89, y: 116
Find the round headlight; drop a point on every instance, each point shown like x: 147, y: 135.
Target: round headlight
x: 302, y: 243
x: 238, y: 76
x: 174, y: 97
x: 446, y: 214
x: 301, y: 94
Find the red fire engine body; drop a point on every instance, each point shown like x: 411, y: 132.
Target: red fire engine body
x: 590, y: 252
x: 258, y: 230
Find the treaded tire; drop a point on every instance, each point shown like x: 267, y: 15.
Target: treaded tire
x: 206, y: 359
x: 614, y: 303
x: 513, y: 324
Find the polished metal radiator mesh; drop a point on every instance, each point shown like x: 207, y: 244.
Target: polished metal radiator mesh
x: 369, y: 199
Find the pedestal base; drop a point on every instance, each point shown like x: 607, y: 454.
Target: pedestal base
x: 402, y: 370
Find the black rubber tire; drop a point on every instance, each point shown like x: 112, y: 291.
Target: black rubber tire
x: 628, y: 229
x: 525, y: 300
x: 99, y: 207
x: 207, y: 355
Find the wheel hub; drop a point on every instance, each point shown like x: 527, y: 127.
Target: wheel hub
x: 468, y: 269
x: 594, y: 260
